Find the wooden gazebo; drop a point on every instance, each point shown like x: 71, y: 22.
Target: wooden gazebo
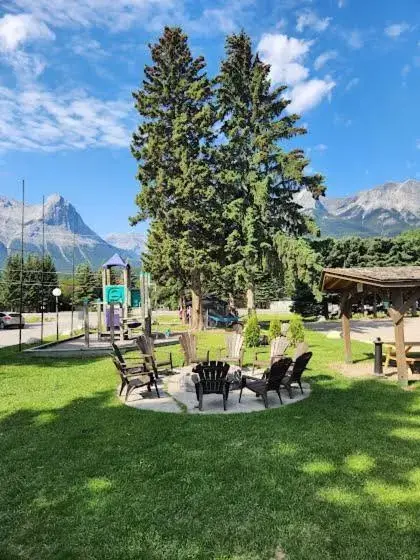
x: 400, y: 285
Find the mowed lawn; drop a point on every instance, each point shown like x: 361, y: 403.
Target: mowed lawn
x: 336, y: 476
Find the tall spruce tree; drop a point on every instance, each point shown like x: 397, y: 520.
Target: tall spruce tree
x: 173, y: 148
x: 86, y: 283
x: 258, y: 176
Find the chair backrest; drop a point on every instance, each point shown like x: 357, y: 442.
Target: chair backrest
x: 301, y: 348
x: 277, y: 371
x: 285, y: 328
x: 300, y: 366
x: 238, y: 328
x: 234, y: 345
x: 118, y: 353
x: 188, y: 343
x: 278, y: 346
x: 212, y: 376
x: 119, y: 366
x: 145, y: 344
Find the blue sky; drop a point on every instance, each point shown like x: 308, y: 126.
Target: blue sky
x: 67, y: 69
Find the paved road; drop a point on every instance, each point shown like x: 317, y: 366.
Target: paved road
x: 368, y: 330
x: 9, y: 337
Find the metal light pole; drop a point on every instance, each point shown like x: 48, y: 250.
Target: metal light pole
x: 56, y: 293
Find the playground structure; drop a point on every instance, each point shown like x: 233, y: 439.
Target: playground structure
x: 115, y: 311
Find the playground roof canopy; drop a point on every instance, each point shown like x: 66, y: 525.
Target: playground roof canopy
x: 341, y: 279
x: 116, y: 260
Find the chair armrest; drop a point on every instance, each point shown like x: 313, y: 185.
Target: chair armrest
x: 252, y: 377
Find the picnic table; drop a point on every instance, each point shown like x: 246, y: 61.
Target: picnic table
x: 412, y: 360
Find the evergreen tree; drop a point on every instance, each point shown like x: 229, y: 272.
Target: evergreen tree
x: 258, y: 176
x: 86, y: 283
x: 173, y: 148
x: 11, y: 282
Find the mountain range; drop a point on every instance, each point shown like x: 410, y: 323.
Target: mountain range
x: 386, y: 210
x: 64, y: 231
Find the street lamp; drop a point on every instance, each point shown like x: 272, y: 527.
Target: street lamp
x: 56, y: 293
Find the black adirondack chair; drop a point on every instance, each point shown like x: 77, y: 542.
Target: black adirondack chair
x: 295, y: 375
x: 271, y: 381
x: 212, y: 378
x: 130, y: 380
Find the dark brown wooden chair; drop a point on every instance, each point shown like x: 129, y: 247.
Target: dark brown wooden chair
x: 148, y: 355
x: 295, y: 374
x: 188, y: 343
x: 211, y: 377
x: 271, y: 381
x: 131, y: 381
x: 131, y: 365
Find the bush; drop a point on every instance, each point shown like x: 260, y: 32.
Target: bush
x: 252, y: 332
x: 274, y: 330
x: 296, y: 332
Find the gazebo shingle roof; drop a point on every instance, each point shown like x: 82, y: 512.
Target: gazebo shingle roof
x: 382, y: 277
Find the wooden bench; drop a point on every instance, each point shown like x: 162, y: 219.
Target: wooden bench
x: 391, y: 353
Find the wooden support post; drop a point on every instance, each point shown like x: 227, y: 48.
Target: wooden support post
x: 111, y: 323
x: 398, y: 304
x: 122, y: 322
x: 99, y: 319
x: 345, y: 321
x: 86, y: 321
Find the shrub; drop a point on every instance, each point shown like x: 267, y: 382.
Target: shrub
x: 296, y: 332
x: 274, y: 330
x: 252, y: 332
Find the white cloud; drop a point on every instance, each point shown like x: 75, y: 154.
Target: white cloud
x: 308, y: 18
x: 341, y: 3
x: 352, y: 83
x: 35, y: 119
x: 323, y: 58
x: 115, y: 14
x: 89, y: 48
x: 405, y: 70
x: 285, y: 56
x: 21, y: 28
x: 418, y: 144
x: 354, y: 39
x: 321, y: 147
x: 396, y: 29
x: 307, y: 95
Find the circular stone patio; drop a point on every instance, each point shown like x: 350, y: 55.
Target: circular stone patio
x: 177, y: 395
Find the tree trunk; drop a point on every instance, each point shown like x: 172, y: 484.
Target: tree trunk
x: 197, y: 304
x: 250, y: 298
x: 183, y: 309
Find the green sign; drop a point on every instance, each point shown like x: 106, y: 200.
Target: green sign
x: 135, y: 298
x: 115, y: 294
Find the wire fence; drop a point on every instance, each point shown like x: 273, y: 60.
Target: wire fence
x: 66, y: 249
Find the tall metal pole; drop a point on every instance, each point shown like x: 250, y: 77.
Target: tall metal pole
x: 56, y: 316
x: 73, y: 285
x: 21, y: 266
x: 43, y: 268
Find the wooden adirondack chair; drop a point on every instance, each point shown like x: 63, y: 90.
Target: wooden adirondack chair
x: 188, y: 343
x: 147, y: 350
x: 301, y: 348
x: 278, y: 348
x: 234, y: 349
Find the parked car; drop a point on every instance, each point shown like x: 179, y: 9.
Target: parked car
x: 8, y: 319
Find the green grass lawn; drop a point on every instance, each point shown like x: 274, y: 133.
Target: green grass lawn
x: 336, y: 476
